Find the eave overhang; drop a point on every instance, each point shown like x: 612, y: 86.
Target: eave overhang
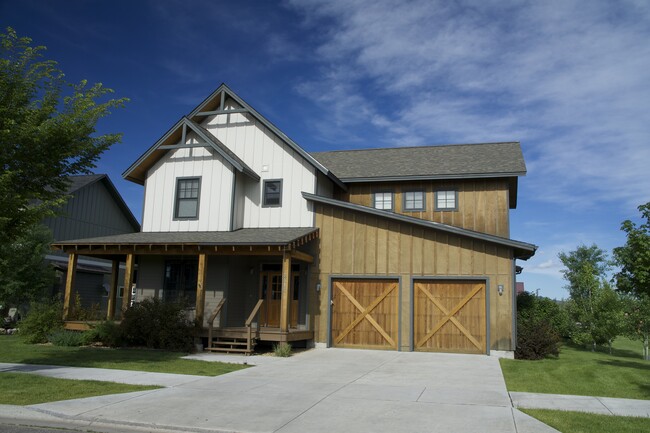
x: 522, y: 250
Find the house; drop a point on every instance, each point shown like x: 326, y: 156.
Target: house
x: 398, y: 249
x: 95, y: 208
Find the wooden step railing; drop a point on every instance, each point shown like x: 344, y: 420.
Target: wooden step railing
x: 213, y: 316
x: 249, y: 321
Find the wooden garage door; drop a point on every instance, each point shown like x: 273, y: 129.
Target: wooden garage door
x: 365, y: 313
x: 449, y: 316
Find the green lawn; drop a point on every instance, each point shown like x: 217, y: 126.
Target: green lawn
x: 581, y: 372
x: 13, y: 349
x: 24, y: 389
x: 579, y: 422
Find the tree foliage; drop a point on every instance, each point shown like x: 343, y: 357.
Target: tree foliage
x: 637, y: 320
x: 634, y: 256
x: 540, y: 324
x: 594, y: 307
x: 24, y: 275
x: 47, y: 133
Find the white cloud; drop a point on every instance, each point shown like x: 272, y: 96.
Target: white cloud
x: 568, y: 79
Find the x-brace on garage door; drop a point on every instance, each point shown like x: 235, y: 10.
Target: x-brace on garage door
x: 449, y: 316
x: 365, y: 313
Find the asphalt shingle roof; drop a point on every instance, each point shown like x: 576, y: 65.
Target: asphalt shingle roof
x: 447, y: 161
x: 262, y: 236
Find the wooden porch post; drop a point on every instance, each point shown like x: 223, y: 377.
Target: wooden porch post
x: 69, y: 284
x: 200, y: 289
x: 284, y: 295
x: 128, y: 281
x: 112, y: 294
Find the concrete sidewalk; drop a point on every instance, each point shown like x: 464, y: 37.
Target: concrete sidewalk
x: 578, y: 403
x: 316, y: 391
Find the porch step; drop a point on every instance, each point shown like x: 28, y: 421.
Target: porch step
x: 230, y: 345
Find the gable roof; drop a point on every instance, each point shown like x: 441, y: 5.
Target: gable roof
x: 81, y: 181
x: 522, y: 250
x: 137, y: 171
x: 426, y: 162
x: 173, y: 139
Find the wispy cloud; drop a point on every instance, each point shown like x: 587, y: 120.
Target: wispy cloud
x: 567, y: 78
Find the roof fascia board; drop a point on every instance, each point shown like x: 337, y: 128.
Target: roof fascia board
x: 429, y: 224
x: 273, y: 128
x: 429, y: 177
x: 145, y: 155
x: 219, y: 147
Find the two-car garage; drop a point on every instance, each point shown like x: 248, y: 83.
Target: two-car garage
x: 445, y: 315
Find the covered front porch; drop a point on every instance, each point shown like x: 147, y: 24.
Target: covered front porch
x: 241, y: 287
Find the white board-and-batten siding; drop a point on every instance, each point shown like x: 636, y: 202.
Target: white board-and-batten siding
x: 215, y: 198
x: 271, y: 158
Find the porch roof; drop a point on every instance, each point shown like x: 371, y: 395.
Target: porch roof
x: 280, y: 238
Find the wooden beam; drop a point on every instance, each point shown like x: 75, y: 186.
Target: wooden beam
x: 183, y: 146
x: 303, y: 257
x: 217, y: 112
x: 128, y: 281
x: 285, y: 302
x: 69, y: 284
x: 200, y: 288
x: 112, y: 294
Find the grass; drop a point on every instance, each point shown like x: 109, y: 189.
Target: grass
x: 14, y: 349
x: 23, y: 389
x: 577, y: 371
x: 579, y: 422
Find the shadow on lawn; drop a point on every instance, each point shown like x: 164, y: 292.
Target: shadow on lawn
x: 621, y: 353
x: 91, y: 357
x: 640, y: 365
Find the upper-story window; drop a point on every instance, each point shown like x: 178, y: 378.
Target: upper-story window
x: 414, y: 201
x: 272, y: 193
x: 187, y: 198
x: 446, y: 200
x: 383, y: 200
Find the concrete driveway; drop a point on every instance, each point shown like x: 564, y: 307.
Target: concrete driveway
x: 326, y: 390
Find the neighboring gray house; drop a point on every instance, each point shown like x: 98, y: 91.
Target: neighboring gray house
x: 95, y: 208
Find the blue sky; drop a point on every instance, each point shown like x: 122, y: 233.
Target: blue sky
x: 568, y: 79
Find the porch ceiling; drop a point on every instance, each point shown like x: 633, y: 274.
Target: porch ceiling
x: 259, y: 241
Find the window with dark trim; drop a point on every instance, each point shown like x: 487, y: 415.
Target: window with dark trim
x: 180, y: 280
x: 383, y: 200
x: 187, y: 198
x: 446, y: 200
x: 272, y: 193
x: 414, y: 200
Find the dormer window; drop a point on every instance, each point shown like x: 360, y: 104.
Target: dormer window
x: 383, y: 200
x: 272, y: 193
x: 187, y: 198
x: 447, y: 200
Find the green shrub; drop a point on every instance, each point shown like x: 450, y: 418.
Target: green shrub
x: 158, y: 324
x: 108, y: 333
x: 67, y: 338
x: 84, y: 314
x: 536, y: 340
x: 282, y: 350
x: 540, y: 322
x: 42, y: 320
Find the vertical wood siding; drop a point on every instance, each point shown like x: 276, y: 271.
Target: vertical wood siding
x: 352, y: 243
x: 257, y: 147
x: 215, y: 195
x: 482, y: 204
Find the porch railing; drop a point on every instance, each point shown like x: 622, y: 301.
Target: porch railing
x: 249, y: 321
x: 213, y: 316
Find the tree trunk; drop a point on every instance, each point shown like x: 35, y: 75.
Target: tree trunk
x: 646, y: 355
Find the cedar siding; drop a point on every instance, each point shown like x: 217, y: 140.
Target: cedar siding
x: 483, y: 204
x: 357, y: 244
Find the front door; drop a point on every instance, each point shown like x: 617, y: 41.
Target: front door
x: 271, y: 292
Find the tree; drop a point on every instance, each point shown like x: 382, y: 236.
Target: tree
x: 634, y: 256
x: 634, y: 277
x: 47, y: 133
x: 594, y: 307
x: 24, y: 275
